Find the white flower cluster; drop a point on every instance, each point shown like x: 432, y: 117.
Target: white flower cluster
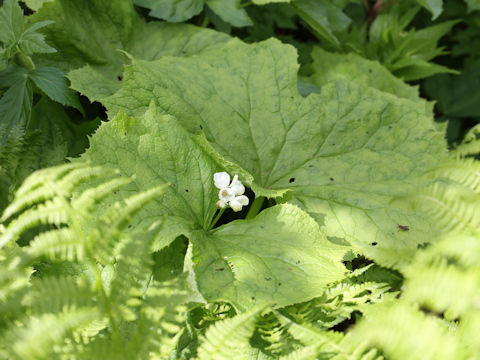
x: 230, y: 194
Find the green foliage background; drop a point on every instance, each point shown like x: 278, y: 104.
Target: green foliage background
x: 353, y: 124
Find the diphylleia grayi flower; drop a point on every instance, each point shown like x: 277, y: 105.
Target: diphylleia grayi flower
x: 230, y: 193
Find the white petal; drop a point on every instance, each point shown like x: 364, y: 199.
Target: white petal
x: 226, y: 194
x: 221, y: 180
x: 239, y: 201
x: 221, y: 204
x: 237, y: 186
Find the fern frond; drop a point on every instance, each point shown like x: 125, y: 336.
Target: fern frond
x: 305, y: 353
x: 48, y: 183
x: 13, y: 284
x: 400, y: 331
x: 464, y: 171
x: 228, y: 339
x: 60, y: 294
x: 470, y: 144
x: 312, y: 336
x: 444, y: 287
x: 59, y: 244
x: 119, y: 215
x: 453, y: 208
x: 94, y: 195
x: 37, y: 339
x: 132, y: 269
x: 278, y: 340
x: 52, y: 212
x: 161, y: 317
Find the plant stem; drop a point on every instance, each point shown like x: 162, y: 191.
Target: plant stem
x: 214, y: 221
x: 205, y: 21
x: 255, y: 208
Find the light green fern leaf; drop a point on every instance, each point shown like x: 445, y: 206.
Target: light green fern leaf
x: 229, y: 339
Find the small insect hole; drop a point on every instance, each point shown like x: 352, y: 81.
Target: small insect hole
x: 186, y: 190
x: 201, y: 127
x: 120, y: 77
x: 291, y: 180
x: 331, y: 179
x: 374, y: 243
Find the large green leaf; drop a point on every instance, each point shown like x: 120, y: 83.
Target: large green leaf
x: 344, y: 153
x: 328, y: 66
x: 279, y: 258
x: 156, y: 150
x: 91, y: 32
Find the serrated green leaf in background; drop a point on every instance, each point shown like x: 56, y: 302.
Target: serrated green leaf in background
x: 344, y: 153
x: 324, y: 18
x: 329, y: 66
x: 172, y: 10
x: 33, y: 42
x: 91, y: 32
x: 229, y: 11
x: 11, y: 22
x: 279, y: 258
x: 51, y: 119
x: 13, y: 35
x: 16, y: 102
x: 434, y: 6
x: 53, y: 83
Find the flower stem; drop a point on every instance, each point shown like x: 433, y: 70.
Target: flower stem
x: 214, y: 221
x: 255, y: 208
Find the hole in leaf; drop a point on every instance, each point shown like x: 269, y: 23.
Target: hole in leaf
x: 120, y: 77
x: 331, y: 179
x: 186, y: 190
x: 291, y: 180
x: 374, y: 243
